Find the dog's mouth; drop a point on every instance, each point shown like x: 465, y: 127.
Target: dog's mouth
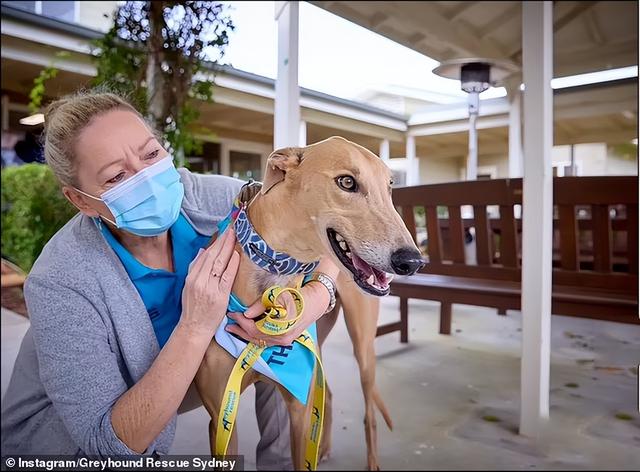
x: 370, y: 279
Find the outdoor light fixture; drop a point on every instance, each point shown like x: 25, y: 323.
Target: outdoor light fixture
x: 32, y: 120
x: 475, y: 76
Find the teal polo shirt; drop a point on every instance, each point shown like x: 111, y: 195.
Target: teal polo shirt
x: 161, y: 290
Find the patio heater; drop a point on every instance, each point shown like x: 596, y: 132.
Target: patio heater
x: 475, y: 76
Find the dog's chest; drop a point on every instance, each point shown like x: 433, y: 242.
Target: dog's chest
x: 262, y: 280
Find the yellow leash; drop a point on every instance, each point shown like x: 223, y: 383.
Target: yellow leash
x: 274, y: 323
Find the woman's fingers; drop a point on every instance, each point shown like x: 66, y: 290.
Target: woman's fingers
x: 287, y: 299
x: 205, y: 259
x: 255, y: 310
x: 229, y: 275
x: 239, y: 331
x: 222, y: 261
x: 219, y: 252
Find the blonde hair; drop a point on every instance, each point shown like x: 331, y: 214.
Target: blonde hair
x: 64, y: 120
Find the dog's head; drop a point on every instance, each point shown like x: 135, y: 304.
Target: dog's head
x: 338, y: 197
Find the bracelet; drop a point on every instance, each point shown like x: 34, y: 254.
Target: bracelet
x: 325, y: 280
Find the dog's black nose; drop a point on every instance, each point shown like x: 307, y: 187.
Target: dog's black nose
x: 406, y: 261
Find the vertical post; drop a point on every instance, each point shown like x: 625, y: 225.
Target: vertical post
x: 225, y: 159
x: 5, y: 113
x: 515, y: 131
x: 413, y: 167
x: 537, y: 50
x: 573, y: 161
x: 302, y: 136
x: 384, y: 150
x: 472, y: 158
x: 287, y: 101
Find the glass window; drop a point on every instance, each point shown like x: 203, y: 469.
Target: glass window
x: 245, y: 165
x: 206, y: 162
x: 28, y: 6
x: 64, y: 11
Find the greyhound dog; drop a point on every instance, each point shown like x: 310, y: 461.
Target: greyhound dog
x: 331, y: 198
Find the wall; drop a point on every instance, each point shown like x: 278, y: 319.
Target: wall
x: 596, y: 159
x: 498, y: 161
x: 592, y: 159
x: 433, y: 171
x: 619, y: 165
x: 91, y: 15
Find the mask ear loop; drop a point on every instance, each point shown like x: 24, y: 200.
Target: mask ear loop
x: 100, y: 217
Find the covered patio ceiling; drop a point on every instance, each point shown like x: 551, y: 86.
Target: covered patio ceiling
x: 226, y: 117
x: 243, y: 107
x: 588, y: 35
x: 607, y: 119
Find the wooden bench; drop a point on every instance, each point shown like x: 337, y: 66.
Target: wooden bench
x: 595, y: 268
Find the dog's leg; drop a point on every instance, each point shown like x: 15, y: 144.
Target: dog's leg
x: 211, y: 380
x: 361, y: 318
x: 299, y: 424
x: 327, y: 321
x: 325, y: 440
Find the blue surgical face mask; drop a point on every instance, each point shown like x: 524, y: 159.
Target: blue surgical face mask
x: 147, y: 203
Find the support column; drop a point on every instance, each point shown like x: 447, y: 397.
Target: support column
x: 302, y: 137
x: 472, y: 157
x: 287, y: 100
x: 225, y: 159
x: 5, y: 113
x: 515, y: 131
x: 384, y: 150
x: 537, y: 55
x: 413, y: 167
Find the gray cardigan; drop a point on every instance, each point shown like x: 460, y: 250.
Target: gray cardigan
x: 90, y: 338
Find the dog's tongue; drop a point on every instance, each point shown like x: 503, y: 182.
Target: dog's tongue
x: 367, y: 270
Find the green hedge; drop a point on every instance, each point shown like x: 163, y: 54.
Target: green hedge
x: 33, y: 209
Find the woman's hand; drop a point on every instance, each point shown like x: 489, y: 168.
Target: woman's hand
x: 316, y: 301
x: 207, y: 287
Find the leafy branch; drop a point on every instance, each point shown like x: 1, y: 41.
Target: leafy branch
x: 36, y: 95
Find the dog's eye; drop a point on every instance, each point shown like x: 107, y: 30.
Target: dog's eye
x: 347, y: 183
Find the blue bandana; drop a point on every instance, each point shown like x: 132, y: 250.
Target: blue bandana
x: 257, y: 249
x: 291, y: 366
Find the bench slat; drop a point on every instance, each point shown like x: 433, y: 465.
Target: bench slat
x: 568, y: 237
x: 456, y: 235
x: 433, y: 235
x: 601, y: 190
x: 603, y: 280
x: 601, y: 238
x: 406, y: 211
x: 483, y: 247
x: 494, y: 272
x: 508, y: 248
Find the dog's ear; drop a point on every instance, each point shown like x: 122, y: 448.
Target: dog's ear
x: 279, y: 163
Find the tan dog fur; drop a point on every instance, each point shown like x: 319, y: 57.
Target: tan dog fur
x: 298, y: 201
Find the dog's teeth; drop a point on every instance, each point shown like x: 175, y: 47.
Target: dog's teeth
x: 371, y: 279
x: 339, y: 238
x: 343, y: 245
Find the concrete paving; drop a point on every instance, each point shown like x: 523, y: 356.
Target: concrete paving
x: 455, y: 399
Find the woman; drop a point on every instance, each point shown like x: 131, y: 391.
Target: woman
x: 119, y: 322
